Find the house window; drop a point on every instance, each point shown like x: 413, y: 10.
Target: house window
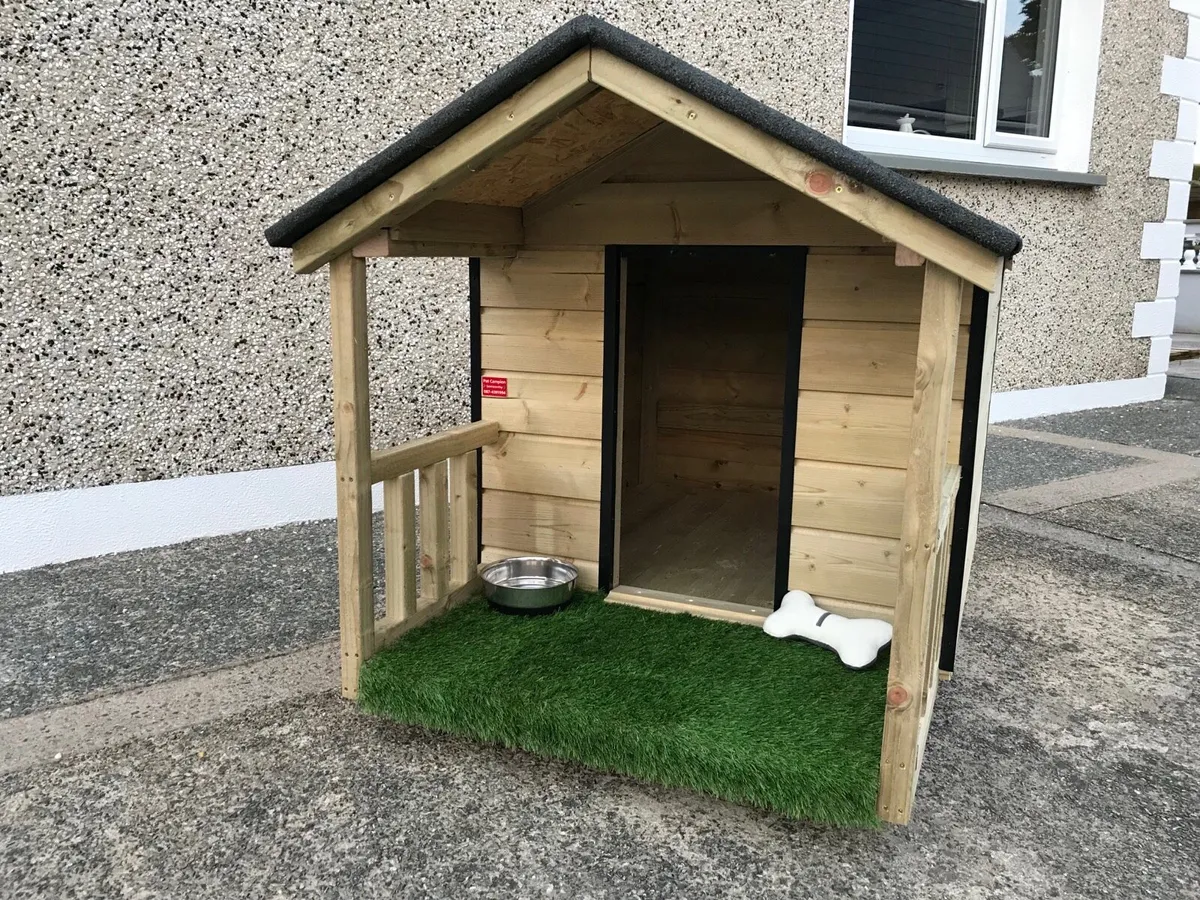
x: 1003, y: 81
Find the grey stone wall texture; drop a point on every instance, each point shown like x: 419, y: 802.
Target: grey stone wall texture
x: 147, y: 331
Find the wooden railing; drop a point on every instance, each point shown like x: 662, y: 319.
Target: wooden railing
x: 936, y: 603
x: 444, y: 465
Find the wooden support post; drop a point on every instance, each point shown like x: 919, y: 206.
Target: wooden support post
x: 435, y: 534
x: 912, y: 652
x: 352, y: 459
x: 464, y: 519
x: 400, y: 547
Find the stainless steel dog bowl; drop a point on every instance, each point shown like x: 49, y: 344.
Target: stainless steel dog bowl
x: 529, y: 584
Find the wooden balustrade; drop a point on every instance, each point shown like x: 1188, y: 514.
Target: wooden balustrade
x: 446, y: 469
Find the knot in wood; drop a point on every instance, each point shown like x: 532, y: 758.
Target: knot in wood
x: 898, y: 696
x: 819, y: 183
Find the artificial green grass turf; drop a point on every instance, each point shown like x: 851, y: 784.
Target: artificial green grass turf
x: 674, y: 699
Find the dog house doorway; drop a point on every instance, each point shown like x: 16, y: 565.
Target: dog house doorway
x: 705, y: 426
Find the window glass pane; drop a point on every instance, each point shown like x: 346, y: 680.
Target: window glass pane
x: 1027, y: 67
x: 915, y: 65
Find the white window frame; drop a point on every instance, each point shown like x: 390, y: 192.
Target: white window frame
x: 1068, y: 147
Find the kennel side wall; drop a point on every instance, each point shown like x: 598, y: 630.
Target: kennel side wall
x: 542, y: 346
x: 858, y: 357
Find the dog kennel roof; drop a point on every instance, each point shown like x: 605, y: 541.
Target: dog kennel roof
x: 589, y: 31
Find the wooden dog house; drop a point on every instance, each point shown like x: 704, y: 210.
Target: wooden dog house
x: 716, y: 355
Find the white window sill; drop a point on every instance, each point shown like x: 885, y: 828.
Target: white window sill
x: 985, y: 169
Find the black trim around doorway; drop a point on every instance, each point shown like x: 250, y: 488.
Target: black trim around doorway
x: 966, y: 460
x: 610, y: 415
x: 791, y: 402
x: 473, y: 306
x: 614, y: 256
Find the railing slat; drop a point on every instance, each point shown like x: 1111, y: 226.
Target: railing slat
x: 426, y: 451
x: 464, y: 519
x: 400, y: 547
x: 435, y: 533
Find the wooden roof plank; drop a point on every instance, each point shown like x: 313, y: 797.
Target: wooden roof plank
x: 416, y: 186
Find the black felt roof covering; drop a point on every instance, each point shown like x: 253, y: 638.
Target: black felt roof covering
x: 588, y: 30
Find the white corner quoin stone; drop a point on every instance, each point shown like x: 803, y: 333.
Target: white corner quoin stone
x: 1162, y: 240
x: 1173, y: 160
x: 1178, y: 195
x: 1181, y: 78
x: 1160, y: 354
x: 1153, y: 318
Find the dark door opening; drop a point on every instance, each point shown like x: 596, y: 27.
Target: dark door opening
x: 705, y: 368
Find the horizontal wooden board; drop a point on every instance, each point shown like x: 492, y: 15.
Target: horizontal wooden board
x: 554, y: 526
x: 735, y: 476
x: 704, y: 608
x: 720, y: 447
x: 864, y: 288
x: 565, y: 405
x: 740, y: 307
x: 539, y: 291
x: 863, y: 429
x: 536, y: 464
x: 846, y: 498
x: 731, y: 213
x: 867, y: 358
x: 561, y: 324
x: 581, y: 390
x: 854, y: 567
x: 853, y: 610
x: 764, y: 351
x: 543, y: 417
x: 715, y: 417
x: 677, y: 156
x: 463, y: 223
x: 528, y: 353
x: 577, y: 261
x: 589, y: 570
x: 722, y: 388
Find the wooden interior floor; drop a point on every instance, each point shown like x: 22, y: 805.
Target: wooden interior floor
x: 712, y: 544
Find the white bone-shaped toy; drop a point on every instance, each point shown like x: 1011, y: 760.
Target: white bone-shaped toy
x: 856, y: 641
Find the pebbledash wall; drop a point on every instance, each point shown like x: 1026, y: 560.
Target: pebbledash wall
x: 164, y: 376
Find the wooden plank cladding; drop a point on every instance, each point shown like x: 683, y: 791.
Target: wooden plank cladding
x: 866, y: 287
x: 846, y: 566
x: 867, y: 358
x: 848, y: 498
x: 866, y: 429
x: 555, y: 526
x: 534, y: 353
x: 854, y: 425
x: 542, y: 329
x: 725, y: 213
x: 539, y: 464
x: 538, y: 403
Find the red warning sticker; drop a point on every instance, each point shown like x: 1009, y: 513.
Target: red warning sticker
x: 495, y: 387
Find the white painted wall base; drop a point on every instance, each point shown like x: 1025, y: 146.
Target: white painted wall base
x: 1048, y: 401
x: 58, y: 526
